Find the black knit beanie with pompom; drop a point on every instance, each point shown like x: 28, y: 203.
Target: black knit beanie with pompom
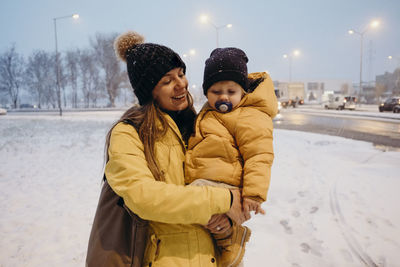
x: 146, y: 63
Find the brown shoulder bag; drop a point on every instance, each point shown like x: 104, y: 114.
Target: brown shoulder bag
x: 118, y: 236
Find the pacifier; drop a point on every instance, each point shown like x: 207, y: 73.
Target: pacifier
x: 223, y: 106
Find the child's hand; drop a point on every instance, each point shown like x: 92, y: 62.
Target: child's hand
x: 252, y: 205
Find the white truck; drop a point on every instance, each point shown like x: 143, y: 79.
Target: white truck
x: 339, y: 101
x: 290, y: 94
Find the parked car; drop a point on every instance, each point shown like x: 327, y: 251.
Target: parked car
x: 340, y: 102
x: 349, y: 102
x: 3, y: 111
x: 391, y: 104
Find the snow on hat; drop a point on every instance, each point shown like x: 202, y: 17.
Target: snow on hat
x: 146, y: 63
x: 226, y: 64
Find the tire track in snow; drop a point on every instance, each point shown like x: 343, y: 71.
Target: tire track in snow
x: 346, y: 232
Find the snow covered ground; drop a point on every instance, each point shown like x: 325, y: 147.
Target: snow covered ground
x: 332, y: 201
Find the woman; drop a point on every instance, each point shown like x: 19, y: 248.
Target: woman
x: 145, y: 155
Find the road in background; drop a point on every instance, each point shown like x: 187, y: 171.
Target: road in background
x: 381, y: 129
x: 365, y: 123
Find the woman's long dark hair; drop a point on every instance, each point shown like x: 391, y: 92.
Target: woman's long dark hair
x: 144, y: 118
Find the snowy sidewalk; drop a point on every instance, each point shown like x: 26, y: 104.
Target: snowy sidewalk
x: 332, y: 201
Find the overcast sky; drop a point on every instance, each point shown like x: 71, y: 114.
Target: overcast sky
x: 265, y: 30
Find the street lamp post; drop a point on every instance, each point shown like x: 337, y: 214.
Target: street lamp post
x: 373, y: 24
x: 74, y: 16
x: 205, y: 19
x: 290, y: 56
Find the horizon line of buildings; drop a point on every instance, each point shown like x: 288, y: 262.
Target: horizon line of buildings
x: 384, y: 86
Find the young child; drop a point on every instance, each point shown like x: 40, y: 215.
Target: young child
x: 232, y: 143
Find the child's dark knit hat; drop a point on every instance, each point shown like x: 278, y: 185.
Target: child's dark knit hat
x: 226, y: 64
x: 146, y: 63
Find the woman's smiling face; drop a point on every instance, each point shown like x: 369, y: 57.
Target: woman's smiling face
x: 171, y: 91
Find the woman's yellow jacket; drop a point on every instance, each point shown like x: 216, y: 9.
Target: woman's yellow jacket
x: 176, y: 212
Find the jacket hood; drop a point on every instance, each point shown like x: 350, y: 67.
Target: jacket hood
x: 263, y: 97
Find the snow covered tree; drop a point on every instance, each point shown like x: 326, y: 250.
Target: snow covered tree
x: 71, y: 64
x: 112, y: 72
x: 40, y: 78
x: 11, y: 74
x: 90, y: 79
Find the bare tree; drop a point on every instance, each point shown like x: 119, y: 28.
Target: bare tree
x: 63, y: 80
x: 98, y: 85
x: 98, y: 92
x: 89, y: 77
x: 111, y: 68
x: 71, y: 62
x: 50, y: 95
x: 40, y: 77
x: 11, y: 74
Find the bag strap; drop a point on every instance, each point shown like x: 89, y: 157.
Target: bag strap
x: 120, y: 202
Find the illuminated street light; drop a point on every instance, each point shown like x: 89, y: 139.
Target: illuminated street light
x: 204, y: 19
x: 375, y: 23
x: 192, y: 52
x: 74, y: 16
x: 290, y: 56
x: 372, y: 24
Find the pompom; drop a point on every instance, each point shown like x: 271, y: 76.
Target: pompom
x: 125, y: 41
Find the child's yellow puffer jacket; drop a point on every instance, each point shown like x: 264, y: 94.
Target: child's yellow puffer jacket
x: 236, y: 147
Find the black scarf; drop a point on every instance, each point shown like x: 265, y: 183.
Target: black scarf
x: 184, y: 119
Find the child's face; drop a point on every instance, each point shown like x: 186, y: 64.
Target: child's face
x: 227, y: 91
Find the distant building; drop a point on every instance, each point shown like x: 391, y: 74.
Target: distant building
x: 388, y: 84
x: 292, y: 92
x: 314, y: 92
